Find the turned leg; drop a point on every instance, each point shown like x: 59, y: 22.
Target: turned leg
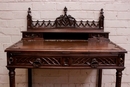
x: 99, y: 78
x: 118, y: 77
x: 12, y: 77
x: 29, y: 77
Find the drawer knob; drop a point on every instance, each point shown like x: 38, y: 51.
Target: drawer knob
x: 37, y: 63
x: 94, y: 63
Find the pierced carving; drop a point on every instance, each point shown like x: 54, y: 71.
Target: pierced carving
x: 24, y: 59
x: 51, y: 60
x: 81, y: 61
x: 42, y: 60
x: 64, y: 21
x: 89, y: 61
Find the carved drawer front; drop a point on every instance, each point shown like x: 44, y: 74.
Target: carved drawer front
x: 38, y: 61
x: 93, y: 61
x: 65, y: 59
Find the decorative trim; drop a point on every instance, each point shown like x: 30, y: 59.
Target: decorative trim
x: 65, y: 61
x: 32, y: 35
x: 91, y: 35
x: 65, y: 21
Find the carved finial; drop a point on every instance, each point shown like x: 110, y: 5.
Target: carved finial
x: 101, y: 19
x: 65, y: 10
x: 101, y: 11
x: 29, y: 10
x: 29, y: 18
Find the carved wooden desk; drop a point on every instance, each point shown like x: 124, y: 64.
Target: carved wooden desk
x: 65, y: 43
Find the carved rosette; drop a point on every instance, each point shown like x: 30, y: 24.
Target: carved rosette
x: 10, y: 58
x: 121, y: 59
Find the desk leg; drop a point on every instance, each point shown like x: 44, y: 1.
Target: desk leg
x: 29, y: 77
x: 12, y: 77
x: 100, y: 78
x: 118, y: 77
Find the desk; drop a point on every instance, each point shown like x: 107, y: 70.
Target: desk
x: 65, y: 48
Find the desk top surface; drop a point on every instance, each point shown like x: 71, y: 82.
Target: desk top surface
x: 65, y: 45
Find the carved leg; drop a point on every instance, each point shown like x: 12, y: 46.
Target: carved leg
x: 118, y: 77
x: 12, y: 77
x: 29, y: 77
x: 99, y: 78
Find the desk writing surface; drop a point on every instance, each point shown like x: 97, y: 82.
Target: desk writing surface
x: 65, y: 45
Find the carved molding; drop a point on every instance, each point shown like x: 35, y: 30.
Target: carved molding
x: 32, y: 35
x: 105, y: 35
x: 67, y: 61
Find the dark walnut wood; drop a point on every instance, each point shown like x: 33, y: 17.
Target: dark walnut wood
x: 65, y: 21
x: 66, y: 44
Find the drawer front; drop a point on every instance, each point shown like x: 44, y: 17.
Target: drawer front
x: 38, y: 61
x: 91, y: 61
x: 94, y: 61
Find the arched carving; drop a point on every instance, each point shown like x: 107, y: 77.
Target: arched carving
x: 64, y: 21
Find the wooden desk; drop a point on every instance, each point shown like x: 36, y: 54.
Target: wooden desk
x: 66, y: 47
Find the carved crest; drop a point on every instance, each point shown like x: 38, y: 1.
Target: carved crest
x: 65, y: 21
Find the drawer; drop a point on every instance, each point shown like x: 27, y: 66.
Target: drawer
x: 94, y: 61
x: 38, y: 61
x: 65, y: 59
